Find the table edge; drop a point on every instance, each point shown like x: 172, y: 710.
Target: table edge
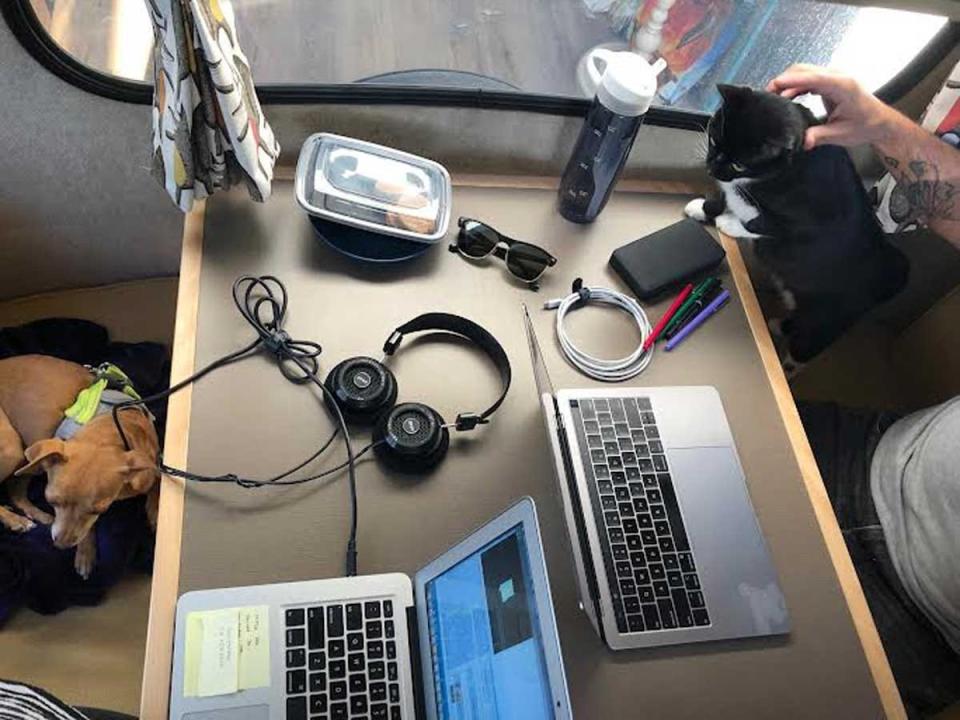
x: 816, y: 491
x: 166, y: 572
x: 155, y: 688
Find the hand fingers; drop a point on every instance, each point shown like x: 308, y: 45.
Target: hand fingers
x: 796, y: 68
x: 828, y: 104
x: 791, y: 93
x: 835, y: 133
x: 800, y: 82
x: 806, y: 67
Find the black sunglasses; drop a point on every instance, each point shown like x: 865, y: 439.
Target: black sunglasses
x: 526, y: 262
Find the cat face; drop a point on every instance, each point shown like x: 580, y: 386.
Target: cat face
x: 754, y: 134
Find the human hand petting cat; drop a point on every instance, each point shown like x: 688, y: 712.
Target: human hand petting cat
x: 854, y: 116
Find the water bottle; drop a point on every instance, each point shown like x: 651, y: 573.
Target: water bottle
x: 624, y: 93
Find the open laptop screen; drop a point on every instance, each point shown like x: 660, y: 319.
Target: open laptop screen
x: 488, y: 656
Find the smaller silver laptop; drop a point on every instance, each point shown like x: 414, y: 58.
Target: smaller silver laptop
x: 473, y: 636
x: 666, y: 544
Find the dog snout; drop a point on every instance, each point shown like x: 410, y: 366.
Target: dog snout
x: 62, y: 542
x: 65, y: 537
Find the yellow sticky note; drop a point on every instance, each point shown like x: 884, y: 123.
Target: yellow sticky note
x: 212, y: 653
x: 219, y: 653
x: 254, y: 666
x: 191, y: 653
x: 226, y: 651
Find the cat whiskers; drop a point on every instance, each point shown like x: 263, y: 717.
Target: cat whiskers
x: 703, y: 145
x: 700, y: 151
x: 748, y: 195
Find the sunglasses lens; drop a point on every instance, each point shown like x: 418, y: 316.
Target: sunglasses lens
x: 527, y: 262
x: 476, y: 239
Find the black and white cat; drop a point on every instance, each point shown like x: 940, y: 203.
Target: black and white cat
x: 812, y: 221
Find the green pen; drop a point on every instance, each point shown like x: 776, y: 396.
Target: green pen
x: 698, y: 292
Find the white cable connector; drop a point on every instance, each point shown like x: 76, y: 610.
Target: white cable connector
x: 599, y: 368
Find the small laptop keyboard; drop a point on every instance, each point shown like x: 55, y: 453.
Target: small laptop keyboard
x: 649, y: 563
x: 341, y: 661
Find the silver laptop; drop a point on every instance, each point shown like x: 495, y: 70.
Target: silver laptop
x: 473, y: 636
x: 665, y: 542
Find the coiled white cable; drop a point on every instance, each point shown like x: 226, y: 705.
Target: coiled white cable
x: 599, y: 368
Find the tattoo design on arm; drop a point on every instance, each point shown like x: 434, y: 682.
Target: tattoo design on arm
x: 921, y: 195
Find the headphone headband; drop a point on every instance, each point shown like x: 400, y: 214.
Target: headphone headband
x: 479, y: 336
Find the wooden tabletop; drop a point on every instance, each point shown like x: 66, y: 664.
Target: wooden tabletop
x: 247, y: 419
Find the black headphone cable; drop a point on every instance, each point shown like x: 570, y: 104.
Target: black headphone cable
x: 252, y: 295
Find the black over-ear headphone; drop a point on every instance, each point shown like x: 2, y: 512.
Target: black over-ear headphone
x: 409, y: 437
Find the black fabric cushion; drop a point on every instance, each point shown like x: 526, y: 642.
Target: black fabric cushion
x: 78, y: 341
x: 84, y: 342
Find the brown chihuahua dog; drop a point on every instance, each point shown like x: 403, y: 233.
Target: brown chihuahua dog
x: 86, y: 473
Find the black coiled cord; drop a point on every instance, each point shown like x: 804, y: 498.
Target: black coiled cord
x: 262, y: 301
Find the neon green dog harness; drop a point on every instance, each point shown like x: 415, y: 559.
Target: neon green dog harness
x: 110, y: 387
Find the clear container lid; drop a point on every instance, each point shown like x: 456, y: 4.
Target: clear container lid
x: 373, y: 187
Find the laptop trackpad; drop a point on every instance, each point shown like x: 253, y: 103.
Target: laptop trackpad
x: 256, y: 712
x: 738, y: 579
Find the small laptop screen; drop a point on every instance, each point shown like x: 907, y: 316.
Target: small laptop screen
x: 488, y: 658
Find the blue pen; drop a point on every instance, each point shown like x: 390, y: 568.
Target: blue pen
x: 684, y: 333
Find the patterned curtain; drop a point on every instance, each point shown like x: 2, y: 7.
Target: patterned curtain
x: 208, y: 129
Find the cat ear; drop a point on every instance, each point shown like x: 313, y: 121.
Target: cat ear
x: 809, y: 120
x: 733, y: 93
x: 808, y: 115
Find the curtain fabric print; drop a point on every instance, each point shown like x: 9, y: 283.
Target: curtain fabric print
x: 208, y: 129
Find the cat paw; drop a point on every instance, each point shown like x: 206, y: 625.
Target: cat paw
x: 791, y: 367
x: 732, y: 227
x: 781, y: 342
x: 777, y: 334
x: 786, y: 295
x: 694, y: 210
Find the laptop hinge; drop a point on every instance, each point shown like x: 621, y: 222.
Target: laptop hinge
x: 416, y: 669
x: 579, y: 520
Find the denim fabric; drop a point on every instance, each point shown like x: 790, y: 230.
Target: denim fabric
x: 926, y: 669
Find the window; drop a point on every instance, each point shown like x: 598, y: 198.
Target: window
x: 112, y: 36
x: 516, y: 46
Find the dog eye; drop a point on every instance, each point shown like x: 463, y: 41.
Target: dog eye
x: 737, y: 167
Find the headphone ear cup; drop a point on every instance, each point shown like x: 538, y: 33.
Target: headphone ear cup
x: 411, y: 438
x: 364, y: 389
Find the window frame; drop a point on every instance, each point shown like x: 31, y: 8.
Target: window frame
x: 28, y: 29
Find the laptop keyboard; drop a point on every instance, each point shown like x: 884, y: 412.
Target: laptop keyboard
x: 341, y: 661
x: 654, y: 584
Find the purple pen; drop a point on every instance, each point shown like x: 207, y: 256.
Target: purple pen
x: 718, y: 302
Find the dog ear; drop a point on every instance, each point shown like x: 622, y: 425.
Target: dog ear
x: 41, y: 455
x: 142, y: 471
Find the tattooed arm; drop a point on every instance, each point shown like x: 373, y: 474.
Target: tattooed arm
x: 926, y: 168
x: 927, y: 171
